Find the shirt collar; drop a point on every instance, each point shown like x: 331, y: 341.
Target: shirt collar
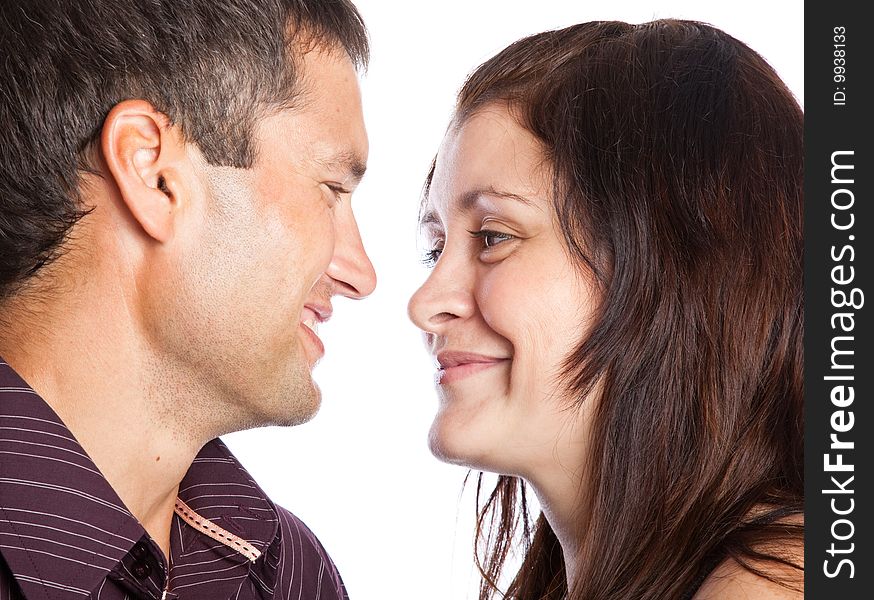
x: 47, y: 478
x: 219, y: 489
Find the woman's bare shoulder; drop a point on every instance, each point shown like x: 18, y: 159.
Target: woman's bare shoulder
x: 731, y: 581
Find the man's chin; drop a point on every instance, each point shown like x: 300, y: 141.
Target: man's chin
x: 293, y: 402
x: 301, y: 404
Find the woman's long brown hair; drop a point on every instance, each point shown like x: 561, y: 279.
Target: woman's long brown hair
x: 677, y: 160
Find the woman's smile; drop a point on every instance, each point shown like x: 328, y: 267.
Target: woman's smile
x: 456, y: 365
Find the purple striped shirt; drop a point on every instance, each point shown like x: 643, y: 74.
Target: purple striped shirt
x: 65, y: 534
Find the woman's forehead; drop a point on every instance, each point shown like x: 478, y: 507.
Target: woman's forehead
x: 489, y: 155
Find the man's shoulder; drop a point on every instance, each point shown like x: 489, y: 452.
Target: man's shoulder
x: 302, y: 556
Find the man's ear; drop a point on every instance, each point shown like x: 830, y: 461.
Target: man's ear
x: 143, y: 151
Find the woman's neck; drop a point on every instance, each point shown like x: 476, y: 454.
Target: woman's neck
x: 562, y: 503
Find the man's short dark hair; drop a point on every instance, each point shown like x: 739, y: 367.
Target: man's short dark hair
x: 214, y: 67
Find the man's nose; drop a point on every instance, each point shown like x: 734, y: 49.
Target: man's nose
x: 350, y: 267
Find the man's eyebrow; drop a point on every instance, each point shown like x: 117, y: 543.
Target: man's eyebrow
x: 348, y: 161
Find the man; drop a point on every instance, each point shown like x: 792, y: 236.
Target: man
x: 174, y: 220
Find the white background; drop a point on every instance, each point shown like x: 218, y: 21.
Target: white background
x: 360, y: 475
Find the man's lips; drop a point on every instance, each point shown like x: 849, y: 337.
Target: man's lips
x: 455, y: 365
x: 310, y: 318
x: 315, y: 313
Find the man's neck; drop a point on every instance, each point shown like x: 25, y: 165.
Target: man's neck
x: 112, y: 396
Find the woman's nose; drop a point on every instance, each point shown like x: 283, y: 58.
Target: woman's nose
x: 444, y: 297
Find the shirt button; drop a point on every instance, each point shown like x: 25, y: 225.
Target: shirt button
x: 139, y: 551
x: 141, y: 570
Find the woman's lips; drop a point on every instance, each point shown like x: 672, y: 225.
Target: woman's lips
x: 454, y: 366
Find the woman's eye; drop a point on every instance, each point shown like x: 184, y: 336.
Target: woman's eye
x: 490, y: 238
x: 429, y: 259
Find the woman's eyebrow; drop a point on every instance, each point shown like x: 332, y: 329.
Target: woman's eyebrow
x: 428, y: 218
x: 469, y: 198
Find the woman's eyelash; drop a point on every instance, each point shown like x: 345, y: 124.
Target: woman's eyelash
x: 429, y: 258
x: 486, y: 234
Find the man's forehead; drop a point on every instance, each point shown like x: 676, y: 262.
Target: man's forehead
x: 332, y: 114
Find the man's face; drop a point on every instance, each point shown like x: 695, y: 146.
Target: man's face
x: 268, y: 248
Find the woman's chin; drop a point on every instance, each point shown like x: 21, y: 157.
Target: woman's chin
x: 457, y: 445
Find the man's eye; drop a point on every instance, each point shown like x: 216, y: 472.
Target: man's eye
x: 491, y: 238
x: 337, y: 190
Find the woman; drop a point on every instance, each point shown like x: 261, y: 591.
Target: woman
x: 615, y: 227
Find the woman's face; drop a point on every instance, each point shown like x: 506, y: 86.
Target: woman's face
x: 503, y: 305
